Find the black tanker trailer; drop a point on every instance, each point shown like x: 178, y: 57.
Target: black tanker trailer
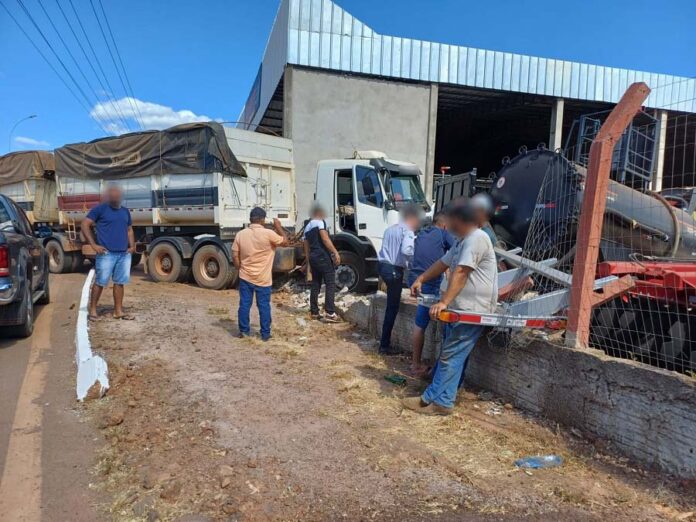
x: 542, y: 189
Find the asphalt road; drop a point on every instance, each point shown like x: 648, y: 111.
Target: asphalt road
x: 46, y: 449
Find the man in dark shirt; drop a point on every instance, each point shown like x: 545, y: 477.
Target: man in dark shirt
x: 113, y: 245
x: 432, y: 242
x: 323, y: 259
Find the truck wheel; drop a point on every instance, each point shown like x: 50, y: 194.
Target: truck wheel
x: 58, y: 261
x: 350, y: 273
x: 164, y: 264
x: 46, y: 297
x: 135, y: 260
x: 211, y: 268
x: 77, y: 261
x: 26, y: 312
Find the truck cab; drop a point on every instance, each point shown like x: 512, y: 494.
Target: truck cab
x: 362, y: 197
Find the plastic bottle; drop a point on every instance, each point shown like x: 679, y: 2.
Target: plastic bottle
x: 543, y: 461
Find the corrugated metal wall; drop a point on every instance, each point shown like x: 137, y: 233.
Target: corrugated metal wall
x: 321, y: 34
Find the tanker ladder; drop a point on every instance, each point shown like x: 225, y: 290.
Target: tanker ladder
x: 536, y: 312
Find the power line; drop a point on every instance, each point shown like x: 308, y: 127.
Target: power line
x: 94, y: 53
x: 118, y: 54
x: 91, y: 65
x: 113, y: 59
x: 72, y: 56
x: 48, y: 62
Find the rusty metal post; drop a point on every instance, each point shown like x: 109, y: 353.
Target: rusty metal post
x: 582, y: 295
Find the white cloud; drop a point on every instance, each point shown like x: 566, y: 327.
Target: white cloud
x: 31, y: 142
x: 153, y: 115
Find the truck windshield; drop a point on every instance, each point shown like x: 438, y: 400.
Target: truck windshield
x: 406, y: 189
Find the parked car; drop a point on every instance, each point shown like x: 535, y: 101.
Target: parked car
x: 24, y: 279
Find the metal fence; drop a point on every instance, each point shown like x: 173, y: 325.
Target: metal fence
x: 645, y: 239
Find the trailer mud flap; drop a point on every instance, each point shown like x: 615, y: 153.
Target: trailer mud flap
x: 284, y: 260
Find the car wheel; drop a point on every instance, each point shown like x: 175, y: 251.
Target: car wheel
x: 26, y: 311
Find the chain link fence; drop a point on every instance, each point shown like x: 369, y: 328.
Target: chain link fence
x: 648, y: 233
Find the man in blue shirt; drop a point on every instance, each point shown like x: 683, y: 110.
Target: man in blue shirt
x: 432, y: 243
x: 113, y: 245
x: 396, y: 252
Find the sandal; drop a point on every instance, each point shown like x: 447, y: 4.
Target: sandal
x: 125, y: 317
x: 91, y: 317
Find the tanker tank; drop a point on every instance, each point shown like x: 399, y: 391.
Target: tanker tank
x: 543, y: 190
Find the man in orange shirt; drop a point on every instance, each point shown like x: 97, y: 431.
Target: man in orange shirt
x: 253, y: 251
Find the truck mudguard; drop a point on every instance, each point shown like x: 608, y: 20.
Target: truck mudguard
x: 362, y: 247
x: 183, y: 244
x: 225, y: 246
x: 65, y: 242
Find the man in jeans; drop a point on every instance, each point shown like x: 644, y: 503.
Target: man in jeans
x: 432, y: 242
x: 472, y: 286
x: 396, y: 251
x: 113, y: 245
x: 253, y: 251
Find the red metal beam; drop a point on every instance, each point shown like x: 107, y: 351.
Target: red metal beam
x: 592, y: 213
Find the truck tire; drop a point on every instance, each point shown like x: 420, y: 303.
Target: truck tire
x: 165, y: 265
x: 211, y: 268
x: 351, y: 272
x: 77, y: 261
x: 26, y: 312
x: 46, y: 297
x: 58, y: 261
x: 135, y: 260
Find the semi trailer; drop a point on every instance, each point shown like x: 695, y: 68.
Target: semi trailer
x: 188, y: 194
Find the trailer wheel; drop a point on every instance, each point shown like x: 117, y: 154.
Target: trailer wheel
x: 58, y: 261
x: 165, y: 265
x: 77, y: 261
x: 211, y: 268
x: 350, y: 273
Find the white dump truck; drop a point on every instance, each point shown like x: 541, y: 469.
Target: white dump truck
x: 188, y: 194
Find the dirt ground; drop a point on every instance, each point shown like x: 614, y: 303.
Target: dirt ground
x: 306, y: 427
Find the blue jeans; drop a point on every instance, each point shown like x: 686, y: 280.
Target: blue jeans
x: 263, y: 303
x: 112, y: 265
x: 393, y: 277
x: 461, y: 339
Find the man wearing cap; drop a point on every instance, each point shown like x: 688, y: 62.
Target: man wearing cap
x: 253, y: 251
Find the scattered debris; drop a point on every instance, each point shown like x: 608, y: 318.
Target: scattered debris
x: 545, y: 461
x: 399, y: 380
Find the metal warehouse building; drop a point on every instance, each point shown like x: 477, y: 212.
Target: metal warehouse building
x: 333, y: 85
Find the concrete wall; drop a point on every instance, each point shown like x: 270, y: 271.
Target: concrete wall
x: 644, y: 412
x: 329, y: 115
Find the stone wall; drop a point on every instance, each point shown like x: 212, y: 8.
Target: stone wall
x: 646, y: 413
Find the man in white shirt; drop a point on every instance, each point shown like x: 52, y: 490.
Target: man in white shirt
x: 472, y: 286
x: 394, y: 256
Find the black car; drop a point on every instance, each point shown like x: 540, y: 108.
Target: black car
x: 23, y: 271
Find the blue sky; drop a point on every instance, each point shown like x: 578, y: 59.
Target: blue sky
x: 201, y: 57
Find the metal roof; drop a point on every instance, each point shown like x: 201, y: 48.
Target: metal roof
x: 319, y: 33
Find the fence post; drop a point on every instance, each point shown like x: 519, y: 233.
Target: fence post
x: 582, y: 294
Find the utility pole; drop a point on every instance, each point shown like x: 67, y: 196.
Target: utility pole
x: 9, y: 139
